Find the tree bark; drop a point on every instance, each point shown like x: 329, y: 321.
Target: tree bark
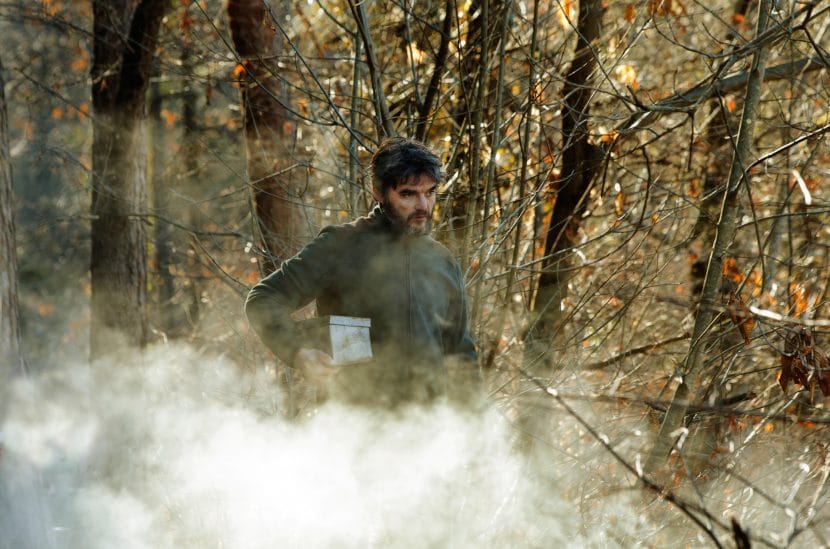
x: 472, y: 103
x: 165, y: 283
x: 11, y: 357
x: 267, y: 130
x: 383, y: 119
x: 691, y: 374
x: 425, y: 108
x: 580, y: 160
x: 120, y: 76
x: 24, y: 515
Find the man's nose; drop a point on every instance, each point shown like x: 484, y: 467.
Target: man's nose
x: 423, y: 202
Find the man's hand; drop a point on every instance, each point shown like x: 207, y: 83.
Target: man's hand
x: 317, y: 367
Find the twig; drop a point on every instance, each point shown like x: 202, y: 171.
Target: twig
x: 635, y: 351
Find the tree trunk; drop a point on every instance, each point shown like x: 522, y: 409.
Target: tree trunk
x: 191, y: 306
x: 692, y: 381
x: 165, y: 282
x: 11, y: 358
x: 24, y: 515
x: 433, y: 89
x: 268, y: 128
x: 471, y: 109
x: 382, y: 116
x: 580, y: 161
x: 578, y: 167
x: 120, y: 76
x: 716, y: 143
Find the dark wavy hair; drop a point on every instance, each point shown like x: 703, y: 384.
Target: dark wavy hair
x: 399, y: 159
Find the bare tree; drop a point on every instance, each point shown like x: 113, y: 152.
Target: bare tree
x: 23, y: 514
x: 692, y: 382
x: 580, y: 161
x: 124, y: 47
x: 268, y: 132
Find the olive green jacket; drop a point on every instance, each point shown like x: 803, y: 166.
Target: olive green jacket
x: 411, y: 288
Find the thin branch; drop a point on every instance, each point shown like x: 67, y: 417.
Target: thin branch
x: 690, y: 99
x: 636, y: 351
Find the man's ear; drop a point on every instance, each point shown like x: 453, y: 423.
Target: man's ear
x: 377, y: 194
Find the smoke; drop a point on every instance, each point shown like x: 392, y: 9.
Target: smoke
x: 178, y: 448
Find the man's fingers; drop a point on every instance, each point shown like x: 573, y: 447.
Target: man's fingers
x: 315, y: 364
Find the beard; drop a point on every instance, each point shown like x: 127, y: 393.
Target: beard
x: 404, y: 224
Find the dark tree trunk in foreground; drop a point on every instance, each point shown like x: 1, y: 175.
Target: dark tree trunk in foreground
x: 267, y: 130
x: 124, y: 47
x: 580, y: 161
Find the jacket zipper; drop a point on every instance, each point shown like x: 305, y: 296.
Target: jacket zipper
x: 408, y: 295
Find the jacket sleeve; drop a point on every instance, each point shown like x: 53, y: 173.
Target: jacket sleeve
x: 296, y: 283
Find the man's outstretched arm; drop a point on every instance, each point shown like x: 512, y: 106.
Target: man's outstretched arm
x: 273, y: 299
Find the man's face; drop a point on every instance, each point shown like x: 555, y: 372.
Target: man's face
x: 410, y: 204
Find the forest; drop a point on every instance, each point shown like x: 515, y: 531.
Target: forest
x: 635, y: 195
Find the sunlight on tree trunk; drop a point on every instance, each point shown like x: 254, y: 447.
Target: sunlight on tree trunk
x: 691, y: 382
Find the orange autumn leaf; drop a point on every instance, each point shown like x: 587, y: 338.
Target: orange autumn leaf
x: 801, y: 298
x: 169, y: 117
x: 741, y: 317
x: 756, y: 280
x: 239, y: 68
x: 731, y: 270
x: 630, y: 12
x: 565, y: 13
x: 79, y: 64
x: 57, y: 113
x: 695, y: 187
x: 610, y: 136
x: 731, y: 105
x: 627, y: 76
x: 619, y: 203
x: 666, y: 7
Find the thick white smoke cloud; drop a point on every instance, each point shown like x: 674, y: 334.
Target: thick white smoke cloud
x: 179, y: 450
x: 176, y: 449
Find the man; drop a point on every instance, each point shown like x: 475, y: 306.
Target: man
x: 384, y: 267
